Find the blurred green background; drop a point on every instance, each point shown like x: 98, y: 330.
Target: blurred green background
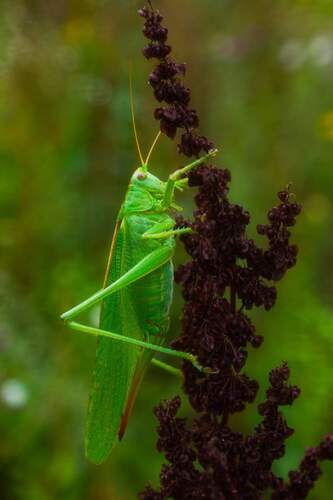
x: 261, y: 74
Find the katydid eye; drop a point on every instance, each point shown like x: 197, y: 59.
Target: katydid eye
x: 141, y: 176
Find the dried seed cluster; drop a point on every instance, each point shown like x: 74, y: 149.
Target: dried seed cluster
x: 169, y: 88
x: 227, y: 275
x: 225, y: 263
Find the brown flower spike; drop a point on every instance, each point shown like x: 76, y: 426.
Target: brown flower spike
x: 227, y: 275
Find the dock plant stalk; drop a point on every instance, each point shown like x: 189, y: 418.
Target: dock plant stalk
x: 227, y: 275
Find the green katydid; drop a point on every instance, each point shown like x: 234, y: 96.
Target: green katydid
x: 135, y: 299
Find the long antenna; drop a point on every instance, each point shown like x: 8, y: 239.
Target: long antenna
x: 133, y: 118
x: 152, y: 147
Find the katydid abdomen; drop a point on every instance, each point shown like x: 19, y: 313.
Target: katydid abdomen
x: 140, y: 311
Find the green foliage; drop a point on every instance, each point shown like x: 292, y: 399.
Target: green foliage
x: 66, y: 154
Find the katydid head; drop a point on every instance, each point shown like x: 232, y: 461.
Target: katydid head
x: 144, y: 180
x: 145, y: 193
x: 145, y: 185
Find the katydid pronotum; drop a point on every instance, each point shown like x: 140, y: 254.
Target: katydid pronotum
x: 135, y: 302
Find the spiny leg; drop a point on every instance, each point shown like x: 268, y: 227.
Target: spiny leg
x: 140, y: 343
x: 164, y: 230
x: 176, y: 176
x: 171, y: 232
x: 160, y: 335
x: 148, y: 264
x: 168, y: 368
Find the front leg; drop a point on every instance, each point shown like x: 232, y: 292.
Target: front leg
x: 178, y: 174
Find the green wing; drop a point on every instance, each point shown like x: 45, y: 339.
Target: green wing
x: 131, y: 312
x: 115, y: 361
